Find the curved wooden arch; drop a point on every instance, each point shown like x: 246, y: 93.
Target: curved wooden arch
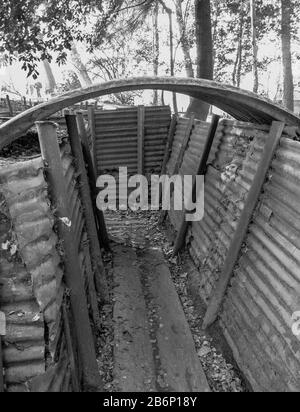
x: 242, y: 105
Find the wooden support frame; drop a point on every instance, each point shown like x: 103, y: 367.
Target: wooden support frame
x: 2, y: 334
x: 141, y: 139
x: 47, y: 132
x: 86, y: 199
x: 9, y: 106
x: 169, y: 145
x: 179, y: 243
x: 243, y: 225
x: 102, y: 229
x: 179, y: 160
x: 92, y: 124
x: 70, y: 349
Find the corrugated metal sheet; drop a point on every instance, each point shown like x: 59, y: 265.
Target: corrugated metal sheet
x: 116, y: 141
x: 31, y: 289
x: 192, y: 156
x: 264, y: 293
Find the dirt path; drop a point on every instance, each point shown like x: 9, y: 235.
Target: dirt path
x: 154, y: 347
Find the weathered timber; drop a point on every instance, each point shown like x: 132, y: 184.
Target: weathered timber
x: 244, y: 222
x: 179, y: 243
x: 169, y: 145
x: 179, y: 161
x: 70, y: 349
x: 88, y: 209
x: 242, y: 105
x: 91, y: 117
x: 73, y: 277
x: 102, y: 229
x: 141, y: 139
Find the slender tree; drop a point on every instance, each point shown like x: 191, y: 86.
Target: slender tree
x: 156, y: 48
x: 288, y: 81
x: 50, y: 85
x: 184, y: 40
x: 80, y: 69
x: 254, y: 45
x: 205, y: 55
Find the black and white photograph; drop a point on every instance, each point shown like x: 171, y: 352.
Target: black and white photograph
x: 149, y: 199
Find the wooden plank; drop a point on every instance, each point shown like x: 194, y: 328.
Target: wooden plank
x: 2, y: 334
x: 92, y: 124
x: 154, y: 347
x: 179, y: 243
x: 9, y: 106
x: 88, y: 208
x: 74, y: 280
x: 102, y: 229
x: 141, y: 140
x: 179, y: 160
x: 175, y: 345
x: 244, y: 222
x: 169, y: 145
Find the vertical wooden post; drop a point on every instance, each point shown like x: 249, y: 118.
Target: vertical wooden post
x: 87, y: 204
x: 179, y: 160
x: 2, y: 333
x: 92, y: 124
x: 70, y: 350
x: 169, y: 145
x: 73, y: 277
x: 141, y: 140
x: 9, y: 106
x: 201, y: 172
x: 102, y: 230
x: 244, y: 222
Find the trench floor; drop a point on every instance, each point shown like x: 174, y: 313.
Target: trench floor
x: 154, y: 341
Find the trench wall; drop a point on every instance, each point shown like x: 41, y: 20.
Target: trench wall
x: 33, y: 295
x: 257, y: 312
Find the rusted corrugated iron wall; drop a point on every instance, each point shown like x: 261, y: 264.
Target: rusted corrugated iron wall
x: 192, y: 156
x: 31, y: 289
x: 116, y: 139
x: 264, y: 293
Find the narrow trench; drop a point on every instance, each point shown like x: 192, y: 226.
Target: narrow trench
x: 140, y: 233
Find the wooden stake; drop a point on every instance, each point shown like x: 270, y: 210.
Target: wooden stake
x: 102, y: 230
x: 73, y: 276
x: 9, y: 106
x: 141, y: 140
x: 169, y: 145
x: 86, y: 200
x: 70, y: 350
x: 201, y: 172
x: 179, y: 160
x: 92, y: 124
x: 2, y: 333
x: 244, y: 222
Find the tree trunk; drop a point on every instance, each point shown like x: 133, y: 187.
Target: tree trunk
x: 254, y: 46
x: 171, y: 40
x: 184, y: 40
x: 50, y: 79
x: 236, y: 76
x: 288, y: 82
x: 80, y: 68
x: 205, y: 57
x: 156, y: 49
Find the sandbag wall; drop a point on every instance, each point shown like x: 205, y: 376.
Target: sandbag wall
x: 257, y: 313
x: 38, y: 350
